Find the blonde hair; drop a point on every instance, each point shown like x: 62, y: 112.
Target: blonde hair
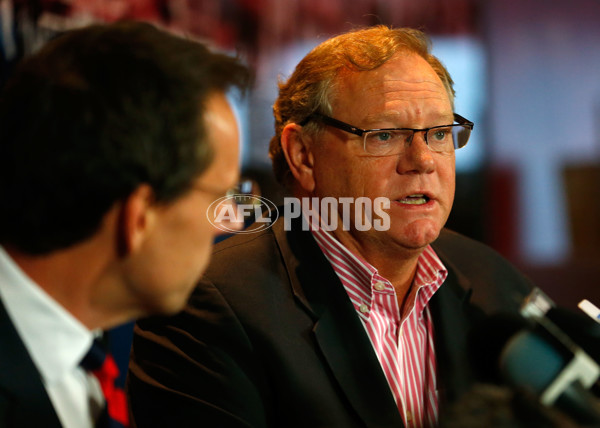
x: 311, y: 87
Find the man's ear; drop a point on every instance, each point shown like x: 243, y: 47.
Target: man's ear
x: 136, y: 220
x: 297, y: 151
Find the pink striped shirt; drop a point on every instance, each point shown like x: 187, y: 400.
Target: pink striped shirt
x: 403, y: 342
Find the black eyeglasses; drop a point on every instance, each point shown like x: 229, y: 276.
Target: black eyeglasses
x: 392, y: 141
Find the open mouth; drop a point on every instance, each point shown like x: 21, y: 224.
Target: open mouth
x: 417, y: 199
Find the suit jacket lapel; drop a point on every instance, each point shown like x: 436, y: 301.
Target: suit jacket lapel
x: 450, y: 323
x: 23, y: 398
x: 338, y: 331
x: 453, y: 316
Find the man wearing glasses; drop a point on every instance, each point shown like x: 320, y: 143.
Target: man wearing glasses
x: 347, y: 327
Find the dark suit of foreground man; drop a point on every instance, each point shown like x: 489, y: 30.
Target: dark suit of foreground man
x: 347, y: 328
x: 112, y: 139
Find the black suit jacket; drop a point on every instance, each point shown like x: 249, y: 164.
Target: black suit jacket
x: 270, y: 338
x: 24, y: 401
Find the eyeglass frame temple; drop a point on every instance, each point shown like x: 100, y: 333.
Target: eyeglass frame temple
x: 463, y: 121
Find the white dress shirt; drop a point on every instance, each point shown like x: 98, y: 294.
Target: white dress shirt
x: 56, y: 342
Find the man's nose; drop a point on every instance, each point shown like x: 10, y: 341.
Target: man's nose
x: 416, y: 158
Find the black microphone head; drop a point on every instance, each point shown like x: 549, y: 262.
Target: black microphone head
x: 487, y: 340
x: 582, y: 329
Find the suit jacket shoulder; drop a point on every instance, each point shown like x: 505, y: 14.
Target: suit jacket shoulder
x: 491, y: 282
x: 24, y: 401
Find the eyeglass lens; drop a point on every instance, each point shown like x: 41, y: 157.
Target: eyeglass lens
x: 441, y: 139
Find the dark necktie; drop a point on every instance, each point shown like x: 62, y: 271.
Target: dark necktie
x: 104, y: 368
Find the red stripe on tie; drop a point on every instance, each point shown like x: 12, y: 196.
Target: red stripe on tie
x: 116, y: 402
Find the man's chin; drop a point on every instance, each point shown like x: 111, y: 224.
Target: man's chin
x: 416, y: 235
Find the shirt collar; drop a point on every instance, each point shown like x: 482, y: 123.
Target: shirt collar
x: 430, y: 274
x: 55, y: 339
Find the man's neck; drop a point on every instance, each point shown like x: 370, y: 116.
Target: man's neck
x: 74, y: 278
x: 397, y: 265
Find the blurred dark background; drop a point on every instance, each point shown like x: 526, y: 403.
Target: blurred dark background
x: 527, y: 72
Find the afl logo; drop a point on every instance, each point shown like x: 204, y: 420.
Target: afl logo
x: 231, y: 212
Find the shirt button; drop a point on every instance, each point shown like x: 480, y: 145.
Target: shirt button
x: 363, y: 308
x: 408, y: 416
x: 379, y: 286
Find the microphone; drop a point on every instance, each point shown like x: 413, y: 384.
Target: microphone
x: 537, y: 356
x: 558, y: 374
x: 581, y: 329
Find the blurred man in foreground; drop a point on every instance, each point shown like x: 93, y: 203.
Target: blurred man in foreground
x: 361, y: 319
x: 114, y: 140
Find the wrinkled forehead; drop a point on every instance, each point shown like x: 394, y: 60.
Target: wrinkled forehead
x: 405, y: 77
